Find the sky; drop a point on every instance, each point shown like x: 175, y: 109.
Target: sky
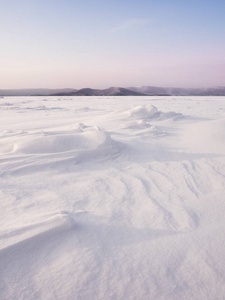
x: 103, y: 43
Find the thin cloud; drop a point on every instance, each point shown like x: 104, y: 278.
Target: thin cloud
x: 130, y: 24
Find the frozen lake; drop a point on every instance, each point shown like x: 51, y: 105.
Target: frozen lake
x: 112, y: 198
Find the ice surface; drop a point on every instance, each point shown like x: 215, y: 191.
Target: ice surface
x: 112, y: 198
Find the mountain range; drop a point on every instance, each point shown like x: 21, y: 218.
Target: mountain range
x: 118, y: 91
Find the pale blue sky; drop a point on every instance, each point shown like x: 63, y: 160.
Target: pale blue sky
x: 65, y: 43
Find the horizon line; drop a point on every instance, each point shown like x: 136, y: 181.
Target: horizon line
x: 127, y: 87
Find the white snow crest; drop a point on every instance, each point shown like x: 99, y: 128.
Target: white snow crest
x: 143, y: 112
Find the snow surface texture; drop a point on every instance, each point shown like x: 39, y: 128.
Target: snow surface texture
x: 112, y: 198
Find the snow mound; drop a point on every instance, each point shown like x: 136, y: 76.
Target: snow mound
x: 150, y: 112
x: 143, y: 112
x: 92, y: 138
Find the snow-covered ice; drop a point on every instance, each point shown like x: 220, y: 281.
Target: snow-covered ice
x: 112, y: 198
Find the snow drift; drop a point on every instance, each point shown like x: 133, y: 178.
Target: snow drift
x: 63, y: 143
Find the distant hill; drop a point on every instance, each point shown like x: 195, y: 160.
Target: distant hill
x: 113, y: 91
x: 153, y: 91
x: 34, y: 92
x: 118, y: 91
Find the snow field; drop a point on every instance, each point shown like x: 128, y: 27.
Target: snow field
x: 112, y: 198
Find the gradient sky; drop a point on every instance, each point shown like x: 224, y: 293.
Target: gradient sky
x: 103, y: 43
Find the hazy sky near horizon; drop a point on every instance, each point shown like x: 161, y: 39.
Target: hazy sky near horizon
x: 102, y: 43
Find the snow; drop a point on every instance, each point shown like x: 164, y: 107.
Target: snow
x: 112, y: 198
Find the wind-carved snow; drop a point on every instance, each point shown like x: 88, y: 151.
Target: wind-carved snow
x: 103, y: 189
x: 89, y: 139
x: 54, y: 224
x: 138, y: 119
x: 148, y: 112
x: 144, y: 112
x: 66, y: 142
